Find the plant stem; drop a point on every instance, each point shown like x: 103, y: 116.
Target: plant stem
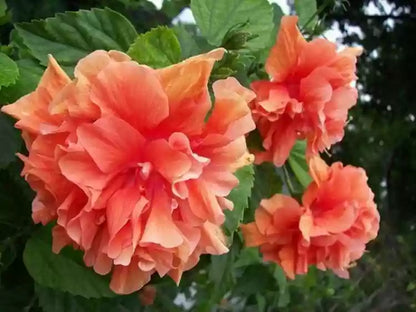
x: 288, y: 181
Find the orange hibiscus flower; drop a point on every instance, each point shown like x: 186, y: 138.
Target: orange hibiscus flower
x: 337, y: 219
x: 308, y: 96
x: 125, y: 161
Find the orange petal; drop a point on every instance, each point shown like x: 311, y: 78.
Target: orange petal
x: 231, y: 107
x: 318, y: 170
x: 160, y: 228
x: 32, y: 109
x: 170, y: 163
x: 132, y: 92
x: 189, y: 78
x: 252, y: 236
x: 111, y: 142
x: 128, y: 279
x: 284, y: 54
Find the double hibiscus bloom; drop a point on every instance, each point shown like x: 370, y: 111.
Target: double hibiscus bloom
x: 135, y: 164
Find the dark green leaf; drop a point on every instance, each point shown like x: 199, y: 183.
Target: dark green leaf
x: 30, y: 73
x: 267, y: 182
x: 284, y: 296
x: 239, y: 196
x: 221, y: 273
x: 3, y: 8
x: 255, y: 278
x: 277, y: 16
x: 247, y: 257
x: 72, y: 35
x: 305, y: 9
x: 173, y: 7
x: 297, y: 162
x: 52, y: 300
x: 8, y: 70
x: 9, y: 141
x: 189, y: 46
x: 215, y: 18
x: 157, y: 48
x: 63, y: 271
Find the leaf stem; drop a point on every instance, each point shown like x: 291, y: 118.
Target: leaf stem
x: 317, y: 12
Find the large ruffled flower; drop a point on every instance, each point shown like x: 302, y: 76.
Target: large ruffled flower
x: 127, y: 161
x: 337, y: 219
x: 308, y: 96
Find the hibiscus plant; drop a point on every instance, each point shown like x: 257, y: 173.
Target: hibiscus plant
x: 179, y: 168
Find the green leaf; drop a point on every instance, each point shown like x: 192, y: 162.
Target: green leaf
x: 3, y: 8
x: 255, y: 278
x: 64, y: 271
x: 215, y: 18
x: 72, y: 35
x: 239, y: 196
x: 306, y: 9
x: 189, y: 45
x: 247, y: 257
x: 9, y: 141
x: 52, y: 300
x: 267, y: 182
x: 297, y: 162
x: 8, y: 70
x: 173, y: 7
x: 277, y: 16
x: 157, y: 48
x: 221, y: 273
x: 284, y: 295
x: 30, y: 74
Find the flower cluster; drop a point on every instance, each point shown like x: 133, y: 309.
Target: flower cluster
x: 124, y: 161
x: 134, y: 164
x: 337, y: 218
x: 308, y: 97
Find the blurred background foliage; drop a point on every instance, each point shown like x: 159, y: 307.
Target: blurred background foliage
x: 380, y: 136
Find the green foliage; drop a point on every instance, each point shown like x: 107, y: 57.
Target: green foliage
x: 30, y: 73
x: 9, y: 71
x: 9, y: 141
x: 239, y: 196
x: 157, y: 48
x: 52, y: 300
x: 298, y: 163
x: 72, y: 35
x: 64, y: 271
x: 216, y: 18
x: 188, y: 43
x: 267, y: 182
x: 306, y: 10
x: 3, y: 8
x: 380, y: 137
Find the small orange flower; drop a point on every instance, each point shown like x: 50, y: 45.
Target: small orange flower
x: 337, y: 219
x: 123, y: 159
x: 308, y: 96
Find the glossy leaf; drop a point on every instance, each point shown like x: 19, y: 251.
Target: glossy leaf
x: 72, y: 35
x: 216, y: 18
x: 64, y: 271
x: 297, y: 162
x: 157, y: 48
x: 8, y: 70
